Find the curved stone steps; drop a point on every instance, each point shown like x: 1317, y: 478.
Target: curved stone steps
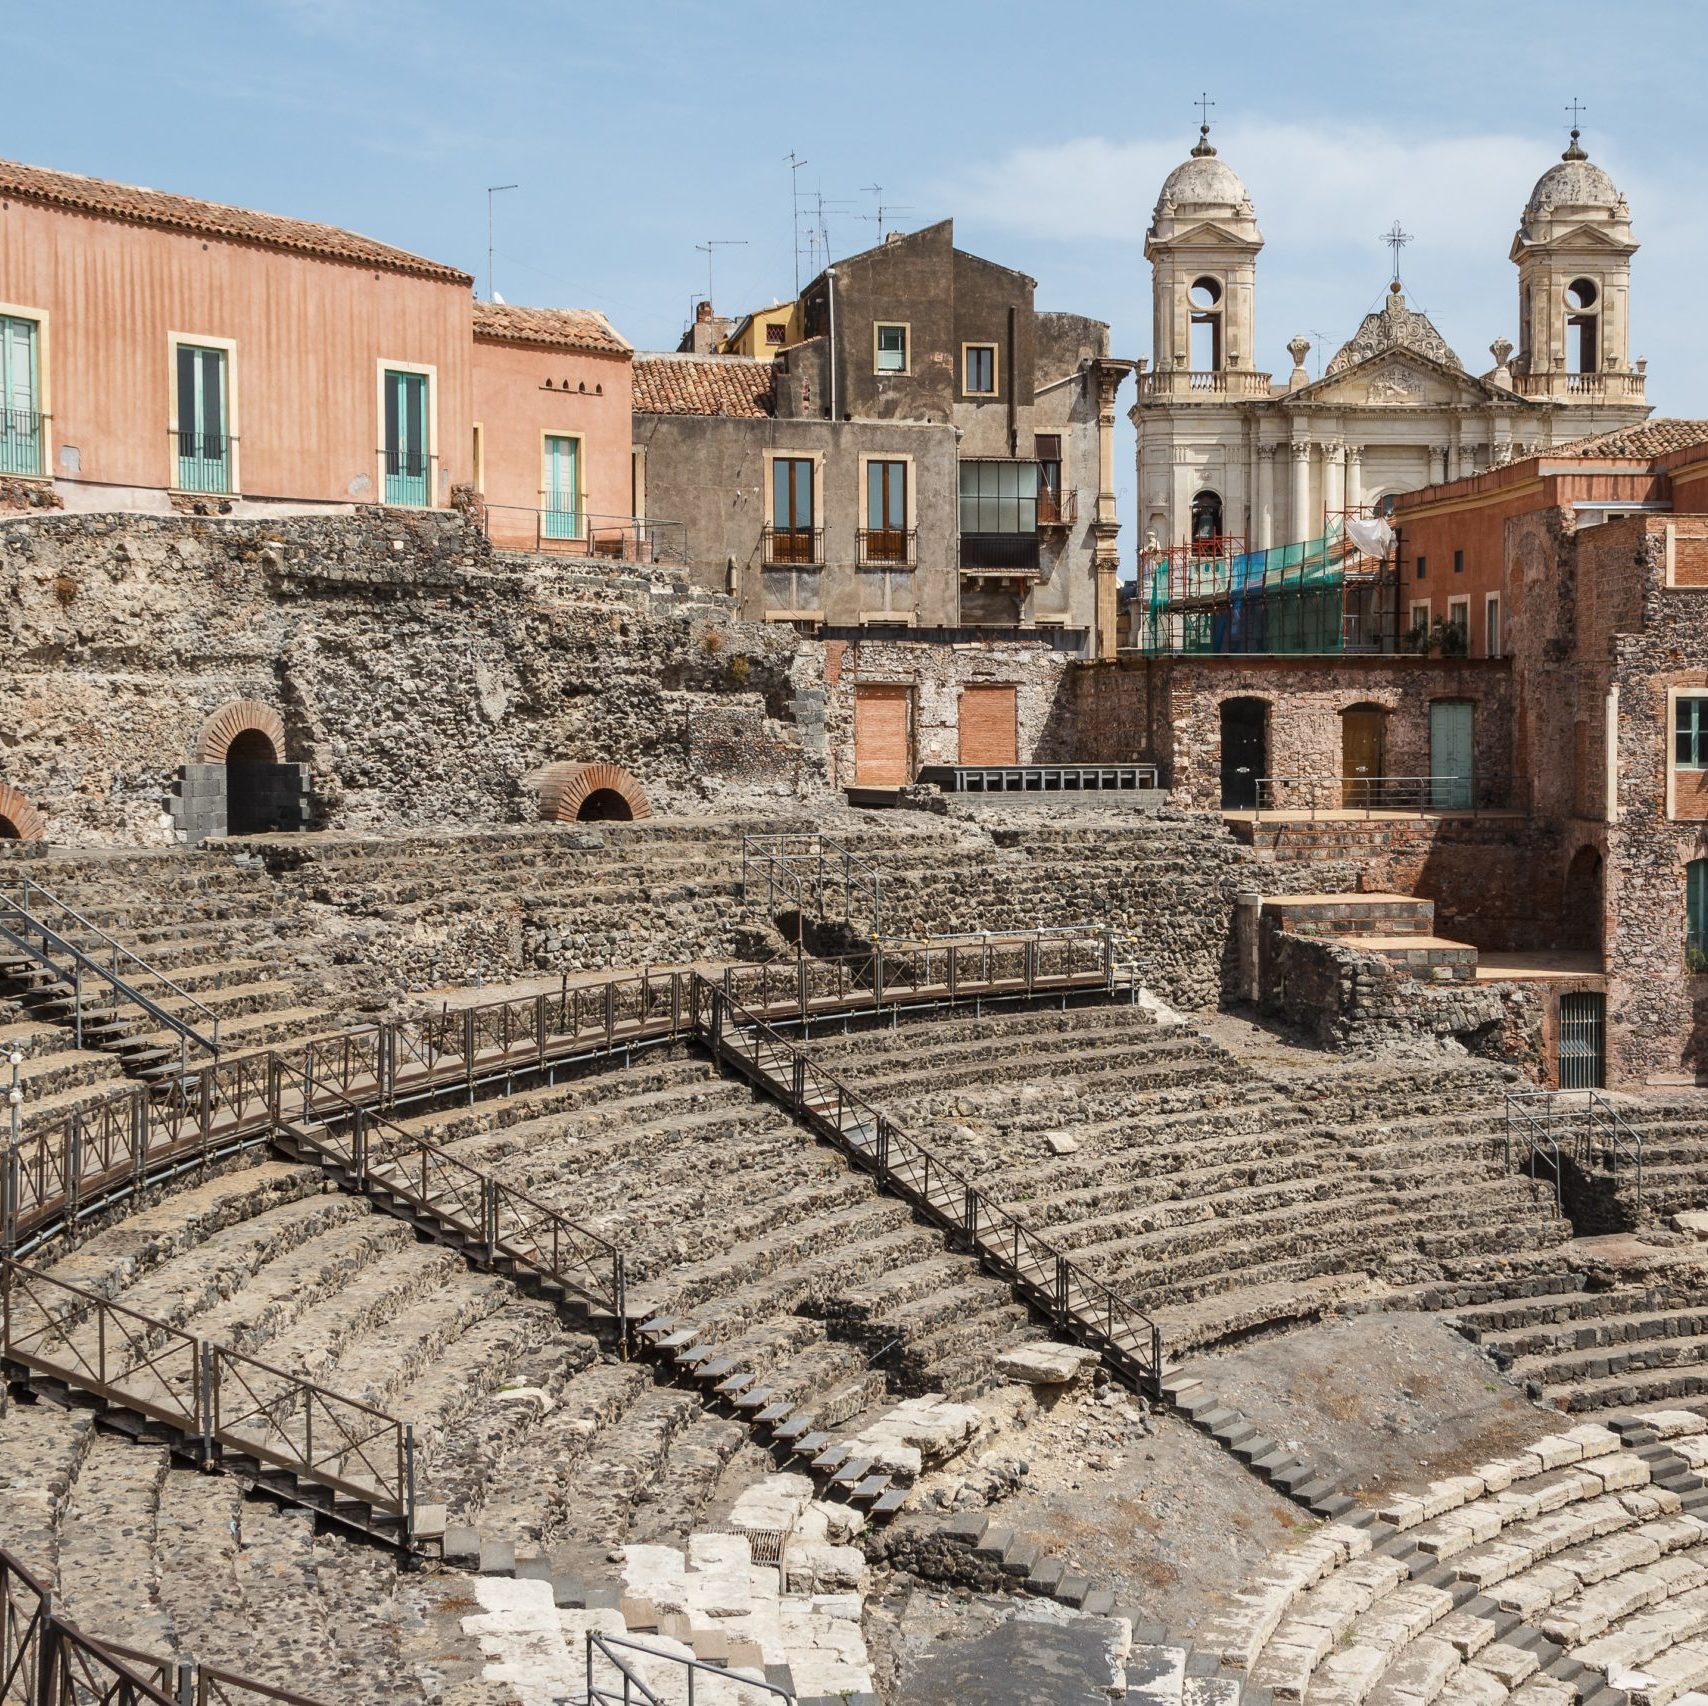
x: 675, y: 1503
x: 605, y: 1485
x: 196, y: 1536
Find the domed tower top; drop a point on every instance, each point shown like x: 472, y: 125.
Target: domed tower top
x: 1202, y: 245
x: 1573, y: 251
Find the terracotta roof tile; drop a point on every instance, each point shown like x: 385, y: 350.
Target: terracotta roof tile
x: 735, y: 385
x: 211, y: 219
x: 562, y: 328
x: 1647, y: 438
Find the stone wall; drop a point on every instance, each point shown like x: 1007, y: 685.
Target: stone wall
x: 1342, y: 998
x: 1169, y: 710
x: 422, y: 679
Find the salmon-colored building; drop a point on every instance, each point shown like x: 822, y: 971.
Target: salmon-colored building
x: 156, y: 349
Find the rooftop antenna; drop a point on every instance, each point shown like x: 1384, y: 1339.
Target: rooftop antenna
x: 1321, y: 338
x: 795, y: 163
x: 878, y: 191
x: 1575, y: 151
x: 708, y: 248
x: 1396, y: 239
x: 1203, y: 104
x: 491, y: 191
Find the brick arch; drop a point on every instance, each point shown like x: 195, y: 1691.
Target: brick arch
x: 19, y: 820
x: 565, y: 790
x: 237, y: 718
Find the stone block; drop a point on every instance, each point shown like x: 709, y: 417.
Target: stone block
x: 1046, y: 1364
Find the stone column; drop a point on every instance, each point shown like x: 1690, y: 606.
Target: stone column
x: 1301, y: 495
x: 1106, y: 560
x: 1354, y: 475
x: 1438, y: 454
x: 1334, y: 477
x: 1266, y: 495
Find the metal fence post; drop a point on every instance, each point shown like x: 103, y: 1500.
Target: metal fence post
x: 206, y: 1403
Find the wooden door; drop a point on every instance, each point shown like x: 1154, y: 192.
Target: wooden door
x: 883, y: 735
x: 990, y: 722
x: 1361, y: 758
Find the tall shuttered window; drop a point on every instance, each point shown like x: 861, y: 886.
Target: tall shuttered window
x: 1696, y: 914
x: 20, y: 397
x: 204, y: 444
x: 561, y: 516
x: 1690, y: 734
x: 406, y: 450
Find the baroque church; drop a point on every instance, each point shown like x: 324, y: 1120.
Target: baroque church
x: 1227, y: 452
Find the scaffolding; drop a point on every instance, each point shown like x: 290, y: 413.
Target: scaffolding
x: 1214, y: 597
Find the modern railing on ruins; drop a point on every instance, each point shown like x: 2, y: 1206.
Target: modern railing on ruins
x: 1584, y: 1126
x: 43, y: 928
x: 646, y: 1675
x: 581, y: 533
x: 811, y: 869
x: 1364, y: 793
x: 46, y: 1660
x: 1078, y: 1303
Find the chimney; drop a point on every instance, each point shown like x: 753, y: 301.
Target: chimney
x: 702, y: 313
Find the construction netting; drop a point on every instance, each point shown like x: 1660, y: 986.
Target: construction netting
x: 1323, y: 595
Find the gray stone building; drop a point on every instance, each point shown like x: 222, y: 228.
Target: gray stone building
x: 933, y: 454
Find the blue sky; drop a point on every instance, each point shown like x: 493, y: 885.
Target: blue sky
x: 640, y: 129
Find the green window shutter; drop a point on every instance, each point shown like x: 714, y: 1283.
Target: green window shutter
x: 1696, y: 914
x: 406, y: 458
x: 20, y: 423
x: 562, y: 518
x: 204, y: 449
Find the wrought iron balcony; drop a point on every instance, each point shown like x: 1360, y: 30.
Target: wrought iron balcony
x: 204, y: 461
x: 999, y: 553
x: 1057, y: 509
x: 794, y: 547
x: 21, y: 441
x: 888, y: 547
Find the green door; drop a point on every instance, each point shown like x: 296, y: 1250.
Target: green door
x: 562, y: 509
x: 20, y: 417
x: 406, y: 438
x: 1451, y: 781
x: 204, y: 447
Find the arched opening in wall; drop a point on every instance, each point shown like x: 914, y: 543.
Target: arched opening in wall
x: 1583, y: 319
x: 1363, y: 731
x: 1581, y: 904
x: 19, y: 819
x: 1206, y: 521
x: 239, y: 782
x: 591, y: 793
x: 8, y: 829
x: 1205, y: 297
x: 251, y: 799
x: 1245, y: 751
x: 605, y: 805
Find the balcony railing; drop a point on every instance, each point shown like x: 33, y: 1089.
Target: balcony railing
x: 1057, y: 509
x: 580, y: 533
x: 1186, y: 382
x: 794, y: 547
x: 21, y: 441
x: 1611, y: 387
x: 204, y: 461
x: 408, y: 477
x: 1000, y: 553
x: 888, y: 547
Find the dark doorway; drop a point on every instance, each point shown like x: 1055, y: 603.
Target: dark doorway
x: 1583, y: 1042
x: 1580, y: 913
x: 1245, y: 751
x: 9, y: 830
x: 253, y: 785
x: 605, y: 805
x: 1206, y: 522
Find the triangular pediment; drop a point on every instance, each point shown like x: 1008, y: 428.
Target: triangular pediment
x: 1212, y: 233
x: 1398, y: 378
x: 1581, y: 235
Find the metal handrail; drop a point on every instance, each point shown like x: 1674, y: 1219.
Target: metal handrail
x: 32, y: 886
x: 1078, y: 1302
x: 1583, y: 1124
x: 1538, y: 1137
x: 1368, y: 794
x: 1611, y: 1136
x: 191, y: 1684
x: 793, y: 861
x: 664, y: 542
x: 636, y: 1692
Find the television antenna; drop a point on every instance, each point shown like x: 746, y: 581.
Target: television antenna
x: 794, y: 163
x: 491, y: 191
x: 709, y: 249
x: 883, y: 211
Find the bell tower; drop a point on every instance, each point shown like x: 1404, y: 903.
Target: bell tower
x: 1573, y: 252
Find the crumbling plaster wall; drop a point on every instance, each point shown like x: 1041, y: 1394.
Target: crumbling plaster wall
x: 421, y: 679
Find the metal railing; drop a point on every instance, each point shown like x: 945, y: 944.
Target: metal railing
x: 1056, y: 508
x: 888, y: 547
x: 584, y: 533
x: 999, y: 553
x: 1078, y: 1304
x: 631, y: 1659
x: 204, y: 461
x: 40, y: 944
x: 218, y: 1400
x: 408, y: 477
x: 811, y: 868
x: 1534, y: 1126
x: 1360, y: 793
x: 21, y: 442
x: 1580, y: 1124
x: 46, y: 1660
x: 792, y: 547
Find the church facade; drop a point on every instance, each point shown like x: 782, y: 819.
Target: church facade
x: 1227, y: 452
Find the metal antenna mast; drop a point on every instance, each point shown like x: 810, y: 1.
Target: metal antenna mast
x: 878, y: 191
x: 708, y: 248
x: 491, y: 191
x: 794, y: 164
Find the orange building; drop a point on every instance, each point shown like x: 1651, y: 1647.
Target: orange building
x: 155, y: 348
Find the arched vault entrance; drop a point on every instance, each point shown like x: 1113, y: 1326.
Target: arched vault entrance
x: 591, y: 793
x: 19, y: 820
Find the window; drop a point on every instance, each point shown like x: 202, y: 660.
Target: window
x: 1420, y: 621
x: 1459, y: 616
x: 477, y: 456
x: 20, y: 396
x: 1582, y: 322
x: 1492, y: 646
x: 892, y: 349
x: 1696, y: 915
x: 999, y: 497
x: 1690, y: 734
x: 793, y: 538
x: 1458, y: 562
x: 560, y: 512
x: 1047, y: 448
x: 406, y: 453
x: 776, y: 332
x: 884, y: 537
x: 203, y: 443
x: 978, y: 370
x: 1423, y: 568
x: 1205, y: 298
